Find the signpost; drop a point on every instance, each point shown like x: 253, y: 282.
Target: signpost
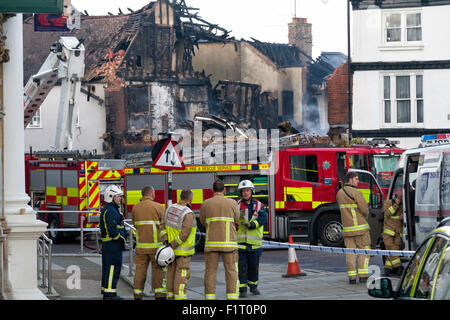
x: 169, y: 159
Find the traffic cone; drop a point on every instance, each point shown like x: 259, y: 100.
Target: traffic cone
x: 293, y: 268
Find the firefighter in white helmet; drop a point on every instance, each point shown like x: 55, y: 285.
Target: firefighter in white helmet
x: 113, y: 241
x: 181, y: 227
x: 252, y: 218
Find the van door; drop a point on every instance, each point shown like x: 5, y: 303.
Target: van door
x: 427, y: 204
x: 375, y: 198
x: 445, y: 186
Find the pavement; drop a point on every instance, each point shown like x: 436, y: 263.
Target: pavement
x: 316, y: 285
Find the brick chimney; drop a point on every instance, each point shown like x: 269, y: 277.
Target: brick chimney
x: 300, y: 35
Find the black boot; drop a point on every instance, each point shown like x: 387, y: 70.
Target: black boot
x: 243, y: 294
x: 255, y: 291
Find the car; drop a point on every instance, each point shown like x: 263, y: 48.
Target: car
x: 427, y: 276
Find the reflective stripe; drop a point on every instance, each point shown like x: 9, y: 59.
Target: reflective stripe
x: 160, y: 290
x: 184, y: 273
x: 394, y: 217
x: 392, y: 210
x: 221, y: 244
x: 148, y: 245
x: 219, y: 219
x: 232, y: 296
x: 242, y: 236
x: 178, y: 240
x: 242, y: 285
x: 170, y: 294
x: 210, y: 296
x: 348, y: 206
x: 252, y: 282
x: 137, y: 291
x: 163, y: 232
x: 355, y: 221
x: 356, y: 228
x: 146, y: 222
x: 389, y: 232
x: 110, y: 279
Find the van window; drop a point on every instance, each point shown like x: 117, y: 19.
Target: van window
x: 304, y: 168
x: 427, y: 190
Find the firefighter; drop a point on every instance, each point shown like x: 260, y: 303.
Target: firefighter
x: 354, y: 213
x: 392, y: 232
x: 148, y: 218
x: 220, y: 215
x: 249, y: 237
x: 181, y: 229
x: 113, y: 242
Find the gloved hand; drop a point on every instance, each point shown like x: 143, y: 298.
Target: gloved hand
x: 166, y: 243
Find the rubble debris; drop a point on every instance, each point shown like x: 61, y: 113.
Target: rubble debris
x: 287, y: 129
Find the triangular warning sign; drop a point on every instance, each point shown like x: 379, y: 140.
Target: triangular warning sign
x: 169, y: 158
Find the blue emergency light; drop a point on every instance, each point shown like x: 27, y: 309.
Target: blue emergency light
x: 430, y: 137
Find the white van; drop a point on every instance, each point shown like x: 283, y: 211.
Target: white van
x: 424, y: 175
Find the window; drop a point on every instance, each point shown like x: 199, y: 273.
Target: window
x: 425, y: 284
x: 36, y: 120
x: 442, y: 286
x: 403, y: 99
x: 402, y: 28
x: 304, y: 168
x: 411, y: 271
x: 288, y: 104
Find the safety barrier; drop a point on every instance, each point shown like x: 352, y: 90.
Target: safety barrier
x: 372, y: 252
x: 130, y: 228
x: 45, y: 245
x: 81, y: 229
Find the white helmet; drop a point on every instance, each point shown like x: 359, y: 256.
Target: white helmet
x: 246, y: 184
x: 165, y: 256
x: 112, y: 191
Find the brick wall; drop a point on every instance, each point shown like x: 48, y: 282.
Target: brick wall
x: 299, y: 33
x: 337, y: 96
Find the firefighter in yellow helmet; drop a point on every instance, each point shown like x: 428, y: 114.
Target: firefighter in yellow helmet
x: 392, y: 232
x: 220, y: 215
x: 181, y: 228
x: 354, y: 212
x: 148, y: 218
x: 253, y: 216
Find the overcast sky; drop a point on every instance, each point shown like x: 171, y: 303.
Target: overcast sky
x: 265, y: 20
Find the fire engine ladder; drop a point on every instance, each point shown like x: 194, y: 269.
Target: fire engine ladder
x: 39, y: 86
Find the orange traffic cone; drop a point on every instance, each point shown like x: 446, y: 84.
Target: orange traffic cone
x: 293, y: 268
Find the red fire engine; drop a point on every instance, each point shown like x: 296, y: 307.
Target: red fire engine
x: 60, y: 185
x: 298, y: 187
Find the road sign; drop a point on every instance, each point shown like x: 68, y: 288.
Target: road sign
x: 169, y: 158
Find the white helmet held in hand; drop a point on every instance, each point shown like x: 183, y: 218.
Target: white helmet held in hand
x: 246, y: 184
x: 165, y: 256
x: 112, y: 191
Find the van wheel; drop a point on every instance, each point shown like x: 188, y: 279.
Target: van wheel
x: 53, y: 223
x: 330, y: 230
x: 200, y: 239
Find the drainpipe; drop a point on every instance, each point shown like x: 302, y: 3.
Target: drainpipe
x: 349, y: 76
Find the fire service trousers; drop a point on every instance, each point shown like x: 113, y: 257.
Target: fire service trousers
x: 248, y: 269
x: 230, y: 263
x: 392, y: 243
x: 178, y: 273
x: 111, y: 266
x: 142, y: 262
x: 357, y: 242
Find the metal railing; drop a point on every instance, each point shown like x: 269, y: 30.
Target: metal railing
x: 130, y: 229
x: 81, y: 230
x: 45, y: 246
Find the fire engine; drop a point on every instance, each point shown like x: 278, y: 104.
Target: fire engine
x: 298, y: 187
x: 60, y: 185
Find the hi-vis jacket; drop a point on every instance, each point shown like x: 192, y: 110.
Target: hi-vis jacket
x: 392, y: 222
x: 148, y: 219
x: 111, y: 223
x: 253, y: 234
x: 219, y: 215
x: 354, y: 210
x: 181, y: 227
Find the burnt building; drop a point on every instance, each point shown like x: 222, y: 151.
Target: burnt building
x: 138, y: 67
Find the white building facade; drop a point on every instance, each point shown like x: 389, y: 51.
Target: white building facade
x: 401, y: 69
x: 91, y: 125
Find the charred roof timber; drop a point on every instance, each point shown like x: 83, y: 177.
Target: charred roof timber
x: 283, y: 55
